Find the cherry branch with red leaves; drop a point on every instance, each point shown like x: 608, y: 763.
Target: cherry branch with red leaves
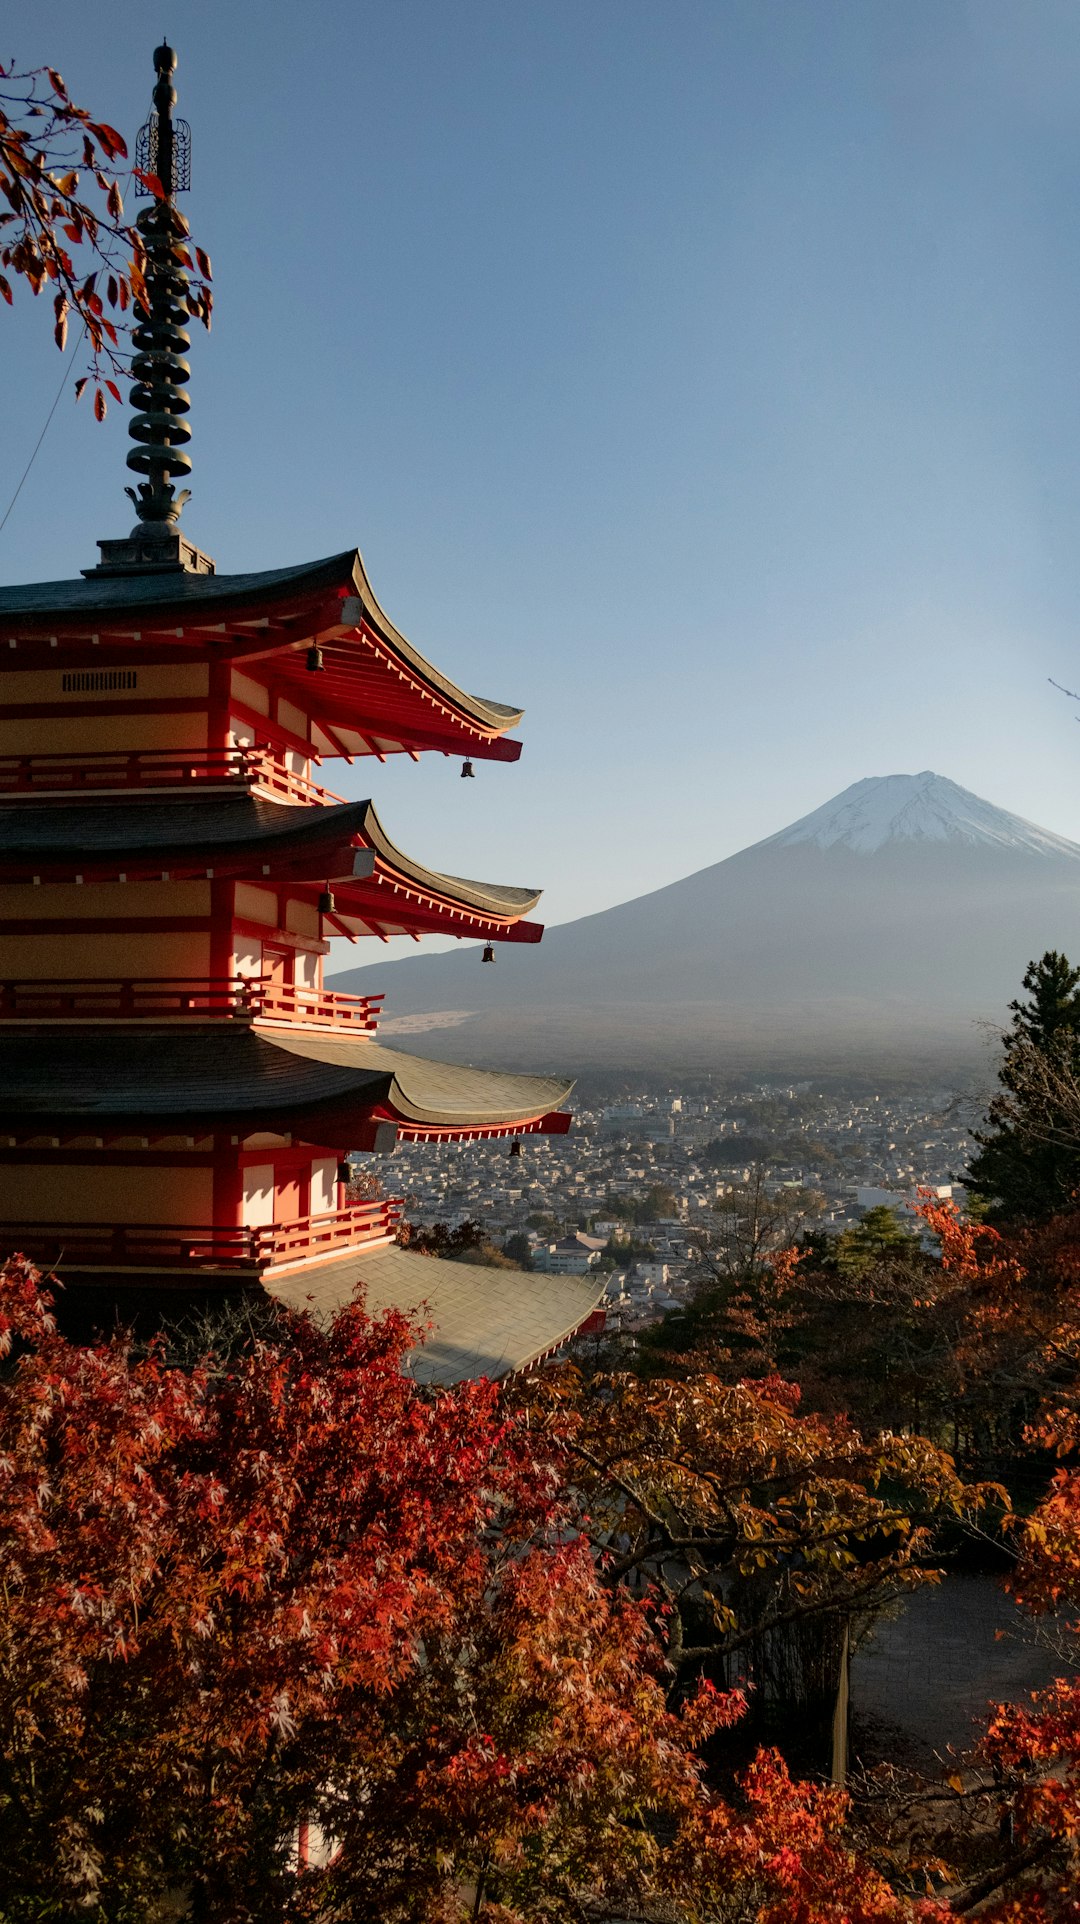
x: 48, y: 147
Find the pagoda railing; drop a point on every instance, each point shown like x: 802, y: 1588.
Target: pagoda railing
x: 323, y: 1007
x: 184, y: 1246
x: 317, y: 1235
x: 175, y: 998
x: 118, y: 771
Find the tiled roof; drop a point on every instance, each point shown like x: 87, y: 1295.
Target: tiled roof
x: 84, y: 834
x: 224, y: 1072
x: 159, y: 594
x: 160, y: 602
x: 485, y: 1322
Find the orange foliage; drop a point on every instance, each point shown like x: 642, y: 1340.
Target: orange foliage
x: 48, y: 147
x: 296, y: 1587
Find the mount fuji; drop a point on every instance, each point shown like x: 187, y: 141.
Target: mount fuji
x: 882, y: 928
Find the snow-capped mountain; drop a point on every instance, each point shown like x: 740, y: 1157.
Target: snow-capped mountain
x: 916, y: 808
x: 885, y: 925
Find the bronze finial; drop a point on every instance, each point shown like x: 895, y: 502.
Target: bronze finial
x: 161, y: 337
x: 163, y: 146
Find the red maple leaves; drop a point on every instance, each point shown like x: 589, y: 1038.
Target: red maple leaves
x: 289, y: 1594
x: 296, y: 1590
x: 48, y: 148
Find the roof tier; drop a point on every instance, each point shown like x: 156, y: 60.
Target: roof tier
x: 377, y: 888
x: 374, y: 693
x: 337, y: 1090
x: 480, y: 1322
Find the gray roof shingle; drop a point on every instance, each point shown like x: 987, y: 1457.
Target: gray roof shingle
x: 215, y: 1072
x: 484, y: 1322
x: 216, y: 827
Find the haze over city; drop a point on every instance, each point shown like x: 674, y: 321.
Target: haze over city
x: 700, y: 377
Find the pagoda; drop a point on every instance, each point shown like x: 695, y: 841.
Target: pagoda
x: 179, y: 1091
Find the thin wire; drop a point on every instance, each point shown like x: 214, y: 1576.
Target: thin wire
x: 56, y: 401
x: 44, y: 432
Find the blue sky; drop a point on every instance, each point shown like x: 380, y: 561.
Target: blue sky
x: 704, y: 377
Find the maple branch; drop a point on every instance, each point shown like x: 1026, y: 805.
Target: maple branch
x: 46, y: 144
x: 983, y: 1887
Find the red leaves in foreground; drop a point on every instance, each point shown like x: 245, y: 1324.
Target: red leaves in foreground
x: 296, y: 1590
x: 46, y: 144
x: 1024, y: 1316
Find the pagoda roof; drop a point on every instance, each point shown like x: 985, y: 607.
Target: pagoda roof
x: 248, y: 838
x: 373, y: 680
x: 320, y: 1087
x: 481, y: 1322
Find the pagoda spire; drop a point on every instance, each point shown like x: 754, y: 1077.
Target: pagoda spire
x: 159, y: 395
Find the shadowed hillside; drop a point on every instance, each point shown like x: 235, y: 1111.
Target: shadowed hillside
x: 886, y: 926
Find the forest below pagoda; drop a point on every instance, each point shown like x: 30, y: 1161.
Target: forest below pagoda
x: 288, y: 1637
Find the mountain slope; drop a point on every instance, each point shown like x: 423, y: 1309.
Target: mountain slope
x: 887, y: 922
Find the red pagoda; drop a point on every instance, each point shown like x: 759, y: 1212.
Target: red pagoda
x: 179, y: 1090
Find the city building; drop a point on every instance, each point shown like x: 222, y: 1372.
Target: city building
x: 570, y: 1256
x: 179, y: 1091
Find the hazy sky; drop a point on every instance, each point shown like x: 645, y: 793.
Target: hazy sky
x: 703, y: 376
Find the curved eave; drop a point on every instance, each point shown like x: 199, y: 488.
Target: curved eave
x: 493, y: 902
x: 495, y: 716
x: 345, y: 1127
x: 443, y: 1097
x: 322, y: 1087
x: 377, y: 886
x: 376, y: 678
x: 555, y: 1122
x: 376, y: 909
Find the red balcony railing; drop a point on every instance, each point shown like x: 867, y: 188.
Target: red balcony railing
x: 192, y: 998
x: 180, y: 1246
x: 318, y: 1235
x: 323, y: 1007
x: 117, y: 771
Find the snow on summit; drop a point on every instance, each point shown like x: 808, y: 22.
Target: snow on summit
x: 916, y: 808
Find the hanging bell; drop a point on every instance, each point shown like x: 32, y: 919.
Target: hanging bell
x: 468, y: 772
x: 327, y: 904
x: 515, y: 1150
x: 489, y: 953
x: 344, y: 1172
x: 314, y: 659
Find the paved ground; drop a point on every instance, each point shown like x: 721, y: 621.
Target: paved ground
x: 926, y: 1676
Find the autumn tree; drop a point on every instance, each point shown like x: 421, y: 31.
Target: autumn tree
x: 1028, y: 1294
x: 756, y: 1218
x: 292, y: 1597
x: 56, y: 240
x: 740, y: 1303
x: 468, y: 1242
x: 1028, y: 1162
x: 1003, y: 1310
x: 962, y: 1340
x: 1002, y: 1829
x: 764, y: 1530
x: 1034, y: 1748
x: 878, y: 1338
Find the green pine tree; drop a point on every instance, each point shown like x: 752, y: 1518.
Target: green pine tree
x: 879, y: 1233
x: 1028, y: 1162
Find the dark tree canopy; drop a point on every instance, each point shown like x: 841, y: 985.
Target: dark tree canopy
x: 1028, y: 1161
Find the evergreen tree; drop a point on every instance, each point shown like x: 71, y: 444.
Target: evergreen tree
x: 879, y: 1233
x: 1028, y: 1161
